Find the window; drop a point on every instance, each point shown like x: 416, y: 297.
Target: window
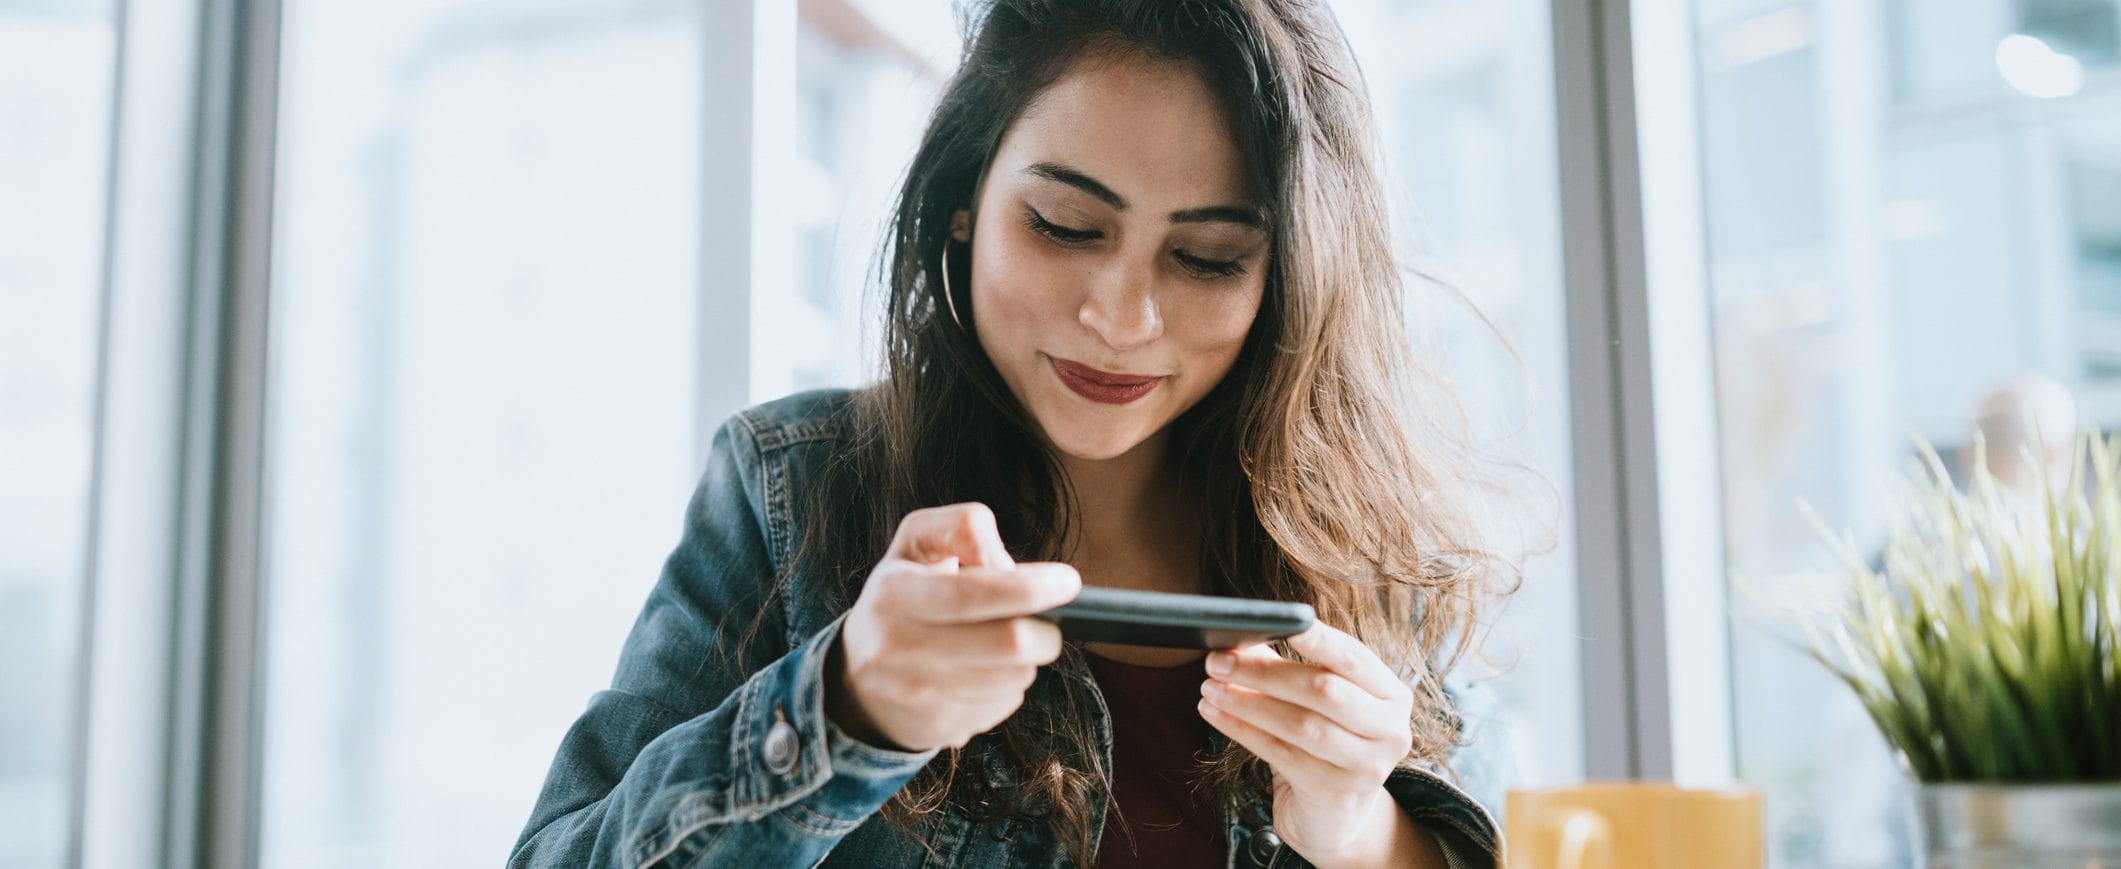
x: 866, y: 77
x: 1905, y: 212
x: 1464, y: 100
x: 483, y: 403
x: 526, y: 256
x: 56, y: 66
x: 1463, y: 92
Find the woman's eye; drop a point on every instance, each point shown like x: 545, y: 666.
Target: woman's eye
x: 1067, y: 235
x: 1208, y: 268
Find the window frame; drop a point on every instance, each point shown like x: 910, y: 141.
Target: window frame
x: 1650, y: 573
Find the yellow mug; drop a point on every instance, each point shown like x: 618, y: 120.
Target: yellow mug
x: 1634, y: 825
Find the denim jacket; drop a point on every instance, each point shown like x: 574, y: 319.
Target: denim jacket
x: 696, y: 758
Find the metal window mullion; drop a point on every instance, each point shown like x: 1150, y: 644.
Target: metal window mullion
x: 1680, y: 334
x: 81, y: 739
x: 214, y: 774
x: 122, y: 753
x: 1627, y: 702
x: 726, y: 271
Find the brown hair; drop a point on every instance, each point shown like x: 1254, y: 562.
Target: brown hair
x: 1334, y: 464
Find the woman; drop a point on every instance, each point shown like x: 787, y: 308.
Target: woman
x: 1144, y: 330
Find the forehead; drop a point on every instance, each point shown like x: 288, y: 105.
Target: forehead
x: 1151, y: 129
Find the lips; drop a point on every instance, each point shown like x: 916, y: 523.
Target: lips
x: 1103, y: 387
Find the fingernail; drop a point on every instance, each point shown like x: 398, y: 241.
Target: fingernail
x: 1211, y: 689
x: 1219, y: 663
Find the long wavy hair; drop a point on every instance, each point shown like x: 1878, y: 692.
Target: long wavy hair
x: 1333, y: 464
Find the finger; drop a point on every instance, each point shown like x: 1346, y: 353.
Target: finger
x: 1014, y: 641
x: 1315, y: 688
x: 1299, y: 767
x: 985, y: 594
x: 1314, y: 734
x: 983, y: 682
x: 965, y: 531
x: 1335, y: 650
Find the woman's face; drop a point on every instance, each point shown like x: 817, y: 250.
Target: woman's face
x: 1119, y: 255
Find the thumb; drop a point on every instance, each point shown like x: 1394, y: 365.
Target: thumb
x: 975, y: 539
x: 964, y: 533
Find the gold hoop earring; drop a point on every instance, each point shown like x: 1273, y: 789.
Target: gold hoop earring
x: 949, y: 298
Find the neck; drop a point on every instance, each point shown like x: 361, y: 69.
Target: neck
x: 1124, y: 505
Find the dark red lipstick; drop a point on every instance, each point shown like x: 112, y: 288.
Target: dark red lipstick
x: 1103, y: 387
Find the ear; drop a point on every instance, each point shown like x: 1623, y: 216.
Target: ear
x: 961, y: 225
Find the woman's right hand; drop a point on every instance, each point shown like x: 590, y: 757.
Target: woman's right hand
x: 944, y: 639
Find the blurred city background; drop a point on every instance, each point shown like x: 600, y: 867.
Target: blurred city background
x: 494, y: 268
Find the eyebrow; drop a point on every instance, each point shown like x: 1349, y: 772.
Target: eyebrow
x: 1238, y: 214
x: 1222, y: 214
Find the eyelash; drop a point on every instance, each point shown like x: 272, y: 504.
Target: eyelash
x: 1057, y: 232
x: 1199, y: 267
x: 1209, y: 268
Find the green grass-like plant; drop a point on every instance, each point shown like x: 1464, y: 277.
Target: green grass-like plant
x: 1988, y: 648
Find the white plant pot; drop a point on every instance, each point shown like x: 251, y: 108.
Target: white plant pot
x: 1987, y: 826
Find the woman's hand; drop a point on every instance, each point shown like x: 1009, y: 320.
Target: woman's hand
x: 1332, y: 729
x: 942, y: 643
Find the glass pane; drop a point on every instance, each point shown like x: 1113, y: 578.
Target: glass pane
x: 1907, y: 211
x: 56, y: 63
x: 483, y: 416
x: 1463, y: 91
x: 867, y: 74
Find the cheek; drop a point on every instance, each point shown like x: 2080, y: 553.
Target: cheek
x: 1216, y: 323
x: 1018, y: 284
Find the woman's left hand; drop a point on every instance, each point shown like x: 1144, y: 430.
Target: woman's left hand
x: 1331, y: 728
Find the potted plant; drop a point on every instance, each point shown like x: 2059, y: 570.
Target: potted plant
x: 1986, y: 646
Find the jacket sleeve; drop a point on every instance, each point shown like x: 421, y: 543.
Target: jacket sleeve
x: 704, y: 746
x: 1462, y: 814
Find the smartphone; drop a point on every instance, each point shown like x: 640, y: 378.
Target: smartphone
x: 1179, y: 621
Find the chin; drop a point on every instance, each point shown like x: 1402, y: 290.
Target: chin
x: 1093, y: 444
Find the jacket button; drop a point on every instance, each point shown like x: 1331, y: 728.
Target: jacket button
x: 1265, y: 844
x: 780, y: 748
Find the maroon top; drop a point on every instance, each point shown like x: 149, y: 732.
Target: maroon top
x: 1156, y: 819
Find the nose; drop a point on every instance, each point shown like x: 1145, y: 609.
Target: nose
x: 1121, y: 307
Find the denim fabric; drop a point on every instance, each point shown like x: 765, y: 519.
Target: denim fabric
x: 697, y: 756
